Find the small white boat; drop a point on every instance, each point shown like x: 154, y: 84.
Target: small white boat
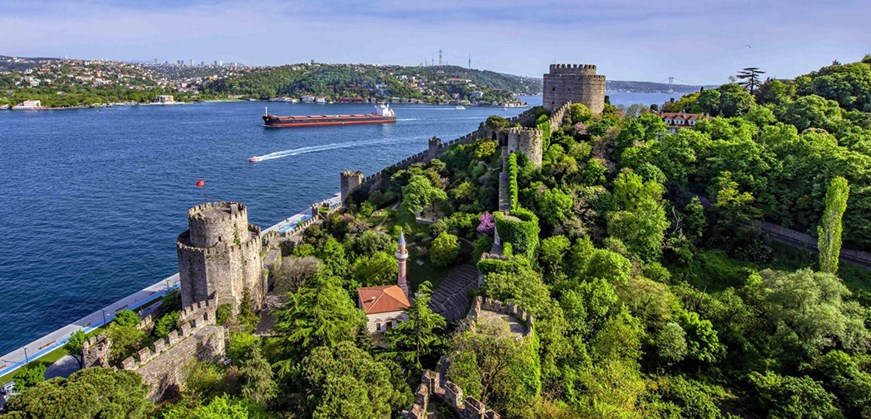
x: 254, y: 159
x: 460, y: 107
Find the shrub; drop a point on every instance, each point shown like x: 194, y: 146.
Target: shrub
x: 521, y: 230
x: 29, y: 376
x: 224, y: 313
x: 512, y: 180
x: 445, y: 249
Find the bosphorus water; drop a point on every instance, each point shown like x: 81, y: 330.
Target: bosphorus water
x: 94, y: 199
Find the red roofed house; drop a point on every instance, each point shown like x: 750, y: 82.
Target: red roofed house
x: 678, y: 120
x: 385, y: 305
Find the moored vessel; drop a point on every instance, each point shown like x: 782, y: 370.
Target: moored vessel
x: 382, y: 115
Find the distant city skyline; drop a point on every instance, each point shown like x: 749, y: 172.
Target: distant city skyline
x: 646, y: 41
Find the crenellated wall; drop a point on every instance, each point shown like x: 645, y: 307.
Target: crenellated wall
x: 576, y: 83
x: 556, y: 118
x: 349, y: 181
x: 220, y: 255
x: 162, y: 364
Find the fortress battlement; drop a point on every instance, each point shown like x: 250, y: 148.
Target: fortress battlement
x: 200, y: 309
x: 576, y: 83
x: 186, y: 328
x: 572, y: 69
x: 524, y: 131
x: 203, y: 211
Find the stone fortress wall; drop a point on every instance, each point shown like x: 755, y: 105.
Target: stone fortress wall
x: 576, y: 83
x: 435, y: 383
x: 162, y: 364
x: 220, y: 255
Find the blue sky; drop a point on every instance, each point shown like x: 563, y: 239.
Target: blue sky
x: 700, y: 41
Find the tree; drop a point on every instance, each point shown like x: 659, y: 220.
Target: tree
x: 420, y: 335
x: 830, y: 228
x: 444, y: 250
x: 319, y: 314
x: 166, y: 324
x: 671, y: 344
x: 578, y: 112
x: 295, y: 271
x: 256, y: 378
x: 74, y: 347
x: 813, y: 112
x: 750, y: 78
x: 126, y: 318
x: 554, y: 206
x: 488, y: 365
x: 811, y: 310
x: 419, y: 194
x: 347, y: 382
x: 793, y: 397
x: 89, y: 393
x: 379, y: 269
x: 29, y: 375
x: 734, y: 100
x: 703, y: 345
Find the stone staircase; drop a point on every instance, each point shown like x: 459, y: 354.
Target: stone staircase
x: 451, y: 297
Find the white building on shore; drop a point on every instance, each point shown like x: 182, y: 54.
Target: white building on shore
x: 28, y: 105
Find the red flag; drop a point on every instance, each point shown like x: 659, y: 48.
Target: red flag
x: 201, y: 183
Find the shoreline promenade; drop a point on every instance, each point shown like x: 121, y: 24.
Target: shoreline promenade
x: 51, y: 341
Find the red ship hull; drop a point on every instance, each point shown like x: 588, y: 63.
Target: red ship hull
x: 324, y: 120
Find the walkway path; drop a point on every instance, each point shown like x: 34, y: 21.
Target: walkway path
x: 451, y: 297
x: 33, y: 350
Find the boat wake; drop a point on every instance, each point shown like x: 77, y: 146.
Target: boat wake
x: 318, y: 148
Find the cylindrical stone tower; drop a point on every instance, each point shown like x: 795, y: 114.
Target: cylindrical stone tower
x: 576, y: 83
x: 220, y: 256
x: 349, y: 181
x: 401, y: 257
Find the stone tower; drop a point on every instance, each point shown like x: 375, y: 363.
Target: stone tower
x: 527, y: 141
x: 576, y: 83
x: 401, y: 257
x: 435, y: 143
x: 349, y: 181
x: 220, y: 256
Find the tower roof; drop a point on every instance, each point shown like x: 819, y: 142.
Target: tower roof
x: 382, y: 299
x: 401, y: 239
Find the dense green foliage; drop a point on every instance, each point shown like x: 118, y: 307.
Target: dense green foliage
x: 652, y: 290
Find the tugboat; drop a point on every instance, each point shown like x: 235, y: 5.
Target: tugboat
x: 382, y: 115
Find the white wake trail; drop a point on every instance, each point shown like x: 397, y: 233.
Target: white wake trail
x: 319, y: 148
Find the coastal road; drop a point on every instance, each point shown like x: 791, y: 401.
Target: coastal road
x: 33, y: 350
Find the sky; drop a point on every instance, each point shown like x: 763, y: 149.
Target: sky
x: 697, y: 42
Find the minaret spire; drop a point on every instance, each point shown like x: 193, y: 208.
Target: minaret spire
x: 401, y: 256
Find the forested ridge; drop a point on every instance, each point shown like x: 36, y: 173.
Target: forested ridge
x: 652, y: 293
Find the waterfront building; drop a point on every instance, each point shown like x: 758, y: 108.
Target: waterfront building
x: 165, y: 99
x: 28, y: 105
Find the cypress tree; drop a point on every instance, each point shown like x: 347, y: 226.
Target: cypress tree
x: 830, y: 228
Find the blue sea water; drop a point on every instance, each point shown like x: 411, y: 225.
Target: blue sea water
x: 93, y: 199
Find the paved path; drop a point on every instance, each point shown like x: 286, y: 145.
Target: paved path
x: 33, y: 350
x: 451, y: 297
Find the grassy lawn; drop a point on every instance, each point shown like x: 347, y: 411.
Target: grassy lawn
x: 51, y: 357
x: 423, y: 272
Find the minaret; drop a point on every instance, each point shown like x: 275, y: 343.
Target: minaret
x: 401, y: 256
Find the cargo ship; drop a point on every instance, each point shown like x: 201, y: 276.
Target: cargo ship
x: 382, y: 115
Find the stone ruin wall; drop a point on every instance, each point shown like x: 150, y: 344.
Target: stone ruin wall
x: 228, y: 266
x: 432, y: 383
x: 162, y: 364
x: 576, y: 83
x: 496, y: 306
x: 435, y: 148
